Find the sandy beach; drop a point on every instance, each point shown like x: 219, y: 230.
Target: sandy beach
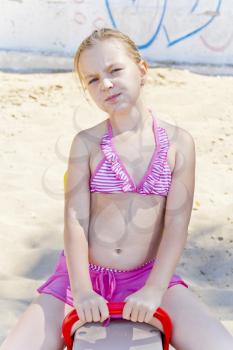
x: 41, y: 113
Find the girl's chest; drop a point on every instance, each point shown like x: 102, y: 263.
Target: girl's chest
x: 135, y: 157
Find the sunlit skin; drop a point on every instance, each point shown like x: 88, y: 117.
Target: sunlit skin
x: 107, y: 69
x: 114, y: 233
x: 122, y: 222
x: 124, y: 230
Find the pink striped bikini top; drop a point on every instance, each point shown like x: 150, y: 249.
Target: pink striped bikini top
x: 112, y: 176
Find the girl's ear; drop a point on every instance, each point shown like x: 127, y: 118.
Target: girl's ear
x: 143, y: 67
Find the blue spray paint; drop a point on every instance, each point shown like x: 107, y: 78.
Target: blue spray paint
x: 194, y: 32
x: 157, y: 30
x: 159, y: 26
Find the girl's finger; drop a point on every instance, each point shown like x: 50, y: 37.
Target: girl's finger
x: 134, y: 313
x: 104, y: 311
x: 95, y: 312
x: 149, y: 316
x: 81, y: 314
x: 88, y: 314
x: 141, y: 315
x: 127, y: 311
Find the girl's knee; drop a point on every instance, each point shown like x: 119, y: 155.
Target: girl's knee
x: 39, y: 327
x: 194, y: 325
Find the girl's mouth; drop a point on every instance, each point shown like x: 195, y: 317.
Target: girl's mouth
x: 112, y: 97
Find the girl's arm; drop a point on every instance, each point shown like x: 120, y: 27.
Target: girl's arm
x: 76, y: 216
x: 90, y: 305
x: 177, y: 214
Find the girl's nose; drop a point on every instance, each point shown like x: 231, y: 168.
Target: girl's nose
x: 107, y: 83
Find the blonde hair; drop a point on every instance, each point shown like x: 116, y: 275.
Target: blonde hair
x: 100, y: 35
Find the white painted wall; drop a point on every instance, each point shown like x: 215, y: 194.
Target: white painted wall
x: 182, y: 31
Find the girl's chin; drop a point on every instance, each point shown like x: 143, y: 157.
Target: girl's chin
x: 121, y: 108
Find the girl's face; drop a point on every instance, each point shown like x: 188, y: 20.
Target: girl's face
x: 111, y: 76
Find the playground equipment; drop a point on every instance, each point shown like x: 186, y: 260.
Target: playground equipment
x: 116, y: 308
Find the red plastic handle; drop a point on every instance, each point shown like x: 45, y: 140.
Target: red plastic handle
x: 116, y: 308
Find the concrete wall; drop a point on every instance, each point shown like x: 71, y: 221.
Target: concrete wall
x: 182, y: 31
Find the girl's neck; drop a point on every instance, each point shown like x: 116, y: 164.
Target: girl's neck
x: 133, y: 121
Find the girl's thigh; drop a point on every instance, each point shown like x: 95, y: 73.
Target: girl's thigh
x: 39, y: 327
x: 194, y: 326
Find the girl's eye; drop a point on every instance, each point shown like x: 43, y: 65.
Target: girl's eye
x: 112, y: 71
x: 115, y: 70
x: 92, y: 81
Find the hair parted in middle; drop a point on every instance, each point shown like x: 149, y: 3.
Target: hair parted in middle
x: 103, y: 34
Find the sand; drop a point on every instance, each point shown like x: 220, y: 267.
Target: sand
x: 40, y: 114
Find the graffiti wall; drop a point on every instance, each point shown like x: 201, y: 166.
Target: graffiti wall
x: 193, y: 31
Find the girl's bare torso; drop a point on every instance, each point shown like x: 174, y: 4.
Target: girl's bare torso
x: 125, y: 228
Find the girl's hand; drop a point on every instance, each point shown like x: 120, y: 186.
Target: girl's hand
x: 141, y: 305
x: 91, y: 307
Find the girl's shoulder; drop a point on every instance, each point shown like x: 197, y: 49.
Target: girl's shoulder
x: 178, y: 137
x: 92, y: 136
x: 181, y: 145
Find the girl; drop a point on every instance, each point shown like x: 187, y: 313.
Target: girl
x: 128, y: 201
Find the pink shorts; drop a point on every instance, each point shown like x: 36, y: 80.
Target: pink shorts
x: 112, y: 284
